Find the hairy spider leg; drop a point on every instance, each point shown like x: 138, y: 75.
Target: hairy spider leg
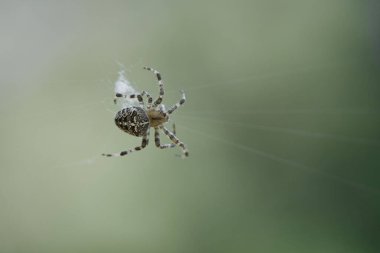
x: 144, y: 143
x: 160, y: 84
x: 138, y: 96
x: 176, y: 141
x: 178, y: 104
x: 150, y: 99
x: 157, y: 139
x: 174, y: 132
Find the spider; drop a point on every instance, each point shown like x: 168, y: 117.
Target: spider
x: 137, y: 120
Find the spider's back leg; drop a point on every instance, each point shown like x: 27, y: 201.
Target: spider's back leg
x: 144, y: 143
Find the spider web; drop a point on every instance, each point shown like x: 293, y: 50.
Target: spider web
x: 216, y: 131
x: 281, y: 121
x: 198, y: 122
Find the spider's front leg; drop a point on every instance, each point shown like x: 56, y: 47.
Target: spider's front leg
x: 178, y: 104
x: 150, y: 99
x: 160, y: 84
x: 144, y: 143
x: 132, y: 96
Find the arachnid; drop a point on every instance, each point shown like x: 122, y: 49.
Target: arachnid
x: 137, y: 120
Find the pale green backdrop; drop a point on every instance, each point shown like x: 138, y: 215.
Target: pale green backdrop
x: 282, y: 124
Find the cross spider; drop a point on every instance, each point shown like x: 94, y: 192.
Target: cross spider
x: 137, y: 120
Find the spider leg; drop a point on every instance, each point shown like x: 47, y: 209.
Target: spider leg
x: 144, y: 143
x: 157, y: 139
x: 174, y: 129
x: 178, y: 104
x: 138, y: 96
x: 150, y: 99
x: 176, y: 141
x: 160, y: 84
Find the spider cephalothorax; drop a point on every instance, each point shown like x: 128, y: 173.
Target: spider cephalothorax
x: 137, y: 120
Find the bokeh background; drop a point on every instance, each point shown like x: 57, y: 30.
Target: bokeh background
x: 282, y: 123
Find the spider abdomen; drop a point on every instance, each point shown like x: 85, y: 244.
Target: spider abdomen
x: 132, y: 120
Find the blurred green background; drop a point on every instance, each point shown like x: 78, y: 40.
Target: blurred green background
x: 282, y: 124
